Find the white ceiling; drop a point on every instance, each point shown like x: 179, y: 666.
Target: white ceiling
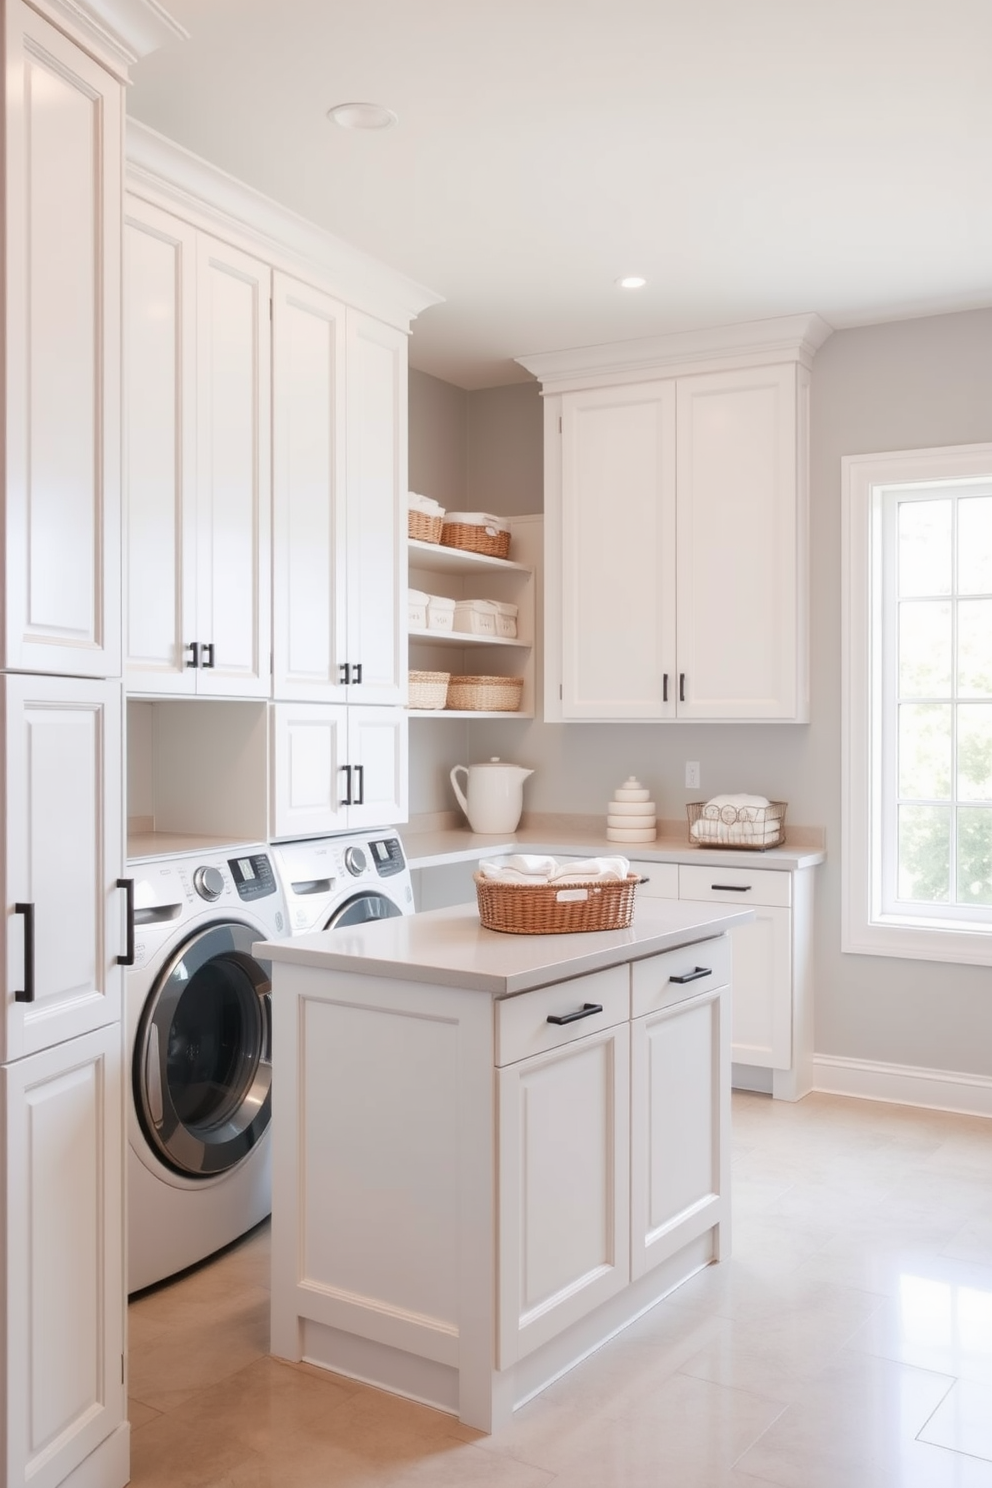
x: 749, y: 157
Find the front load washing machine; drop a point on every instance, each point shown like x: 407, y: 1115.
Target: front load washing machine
x: 199, y: 1043
x: 331, y: 882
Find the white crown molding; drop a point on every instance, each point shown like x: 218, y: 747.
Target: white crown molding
x: 162, y: 172
x: 717, y: 348
x: 117, y: 32
x: 904, y: 1084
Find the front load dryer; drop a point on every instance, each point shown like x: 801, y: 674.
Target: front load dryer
x: 199, y: 1039
x: 330, y: 882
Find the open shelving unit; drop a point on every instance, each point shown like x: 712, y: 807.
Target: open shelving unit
x: 461, y: 575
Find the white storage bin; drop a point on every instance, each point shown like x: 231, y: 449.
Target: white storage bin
x: 417, y: 613
x: 440, y: 612
x: 476, y: 616
x: 506, y: 619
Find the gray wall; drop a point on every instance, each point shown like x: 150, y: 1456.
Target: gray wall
x: 904, y: 385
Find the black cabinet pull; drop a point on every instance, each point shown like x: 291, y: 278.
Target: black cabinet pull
x: 664, y: 688
x: 692, y: 976
x: 360, y: 772
x: 127, y: 884
x: 344, y: 668
x: 194, y: 647
x: 27, y: 992
x: 585, y: 1011
x: 357, y: 669
x: 347, y: 801
x: 681, y: 687
x: 733, y: 888
x: 208, y: 654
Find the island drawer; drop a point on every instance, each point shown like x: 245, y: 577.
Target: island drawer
x: 662, y: 880
x: 736, y: 885
x: 655, y: 980
x: 522, y: 1026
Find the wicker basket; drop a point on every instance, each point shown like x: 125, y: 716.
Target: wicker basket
x: 553, y: 909
x: 485, y: 694
x: 423, y: 527
x: 767, y: 829
x: 428, y: 689
x: 474, y: 538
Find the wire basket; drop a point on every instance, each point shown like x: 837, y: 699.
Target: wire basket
x: 423, y: 527
x: 753, y: 828
x: 428, y: 689
x: 473, y: 537
x: 485, y: 694
x: 555, y: 909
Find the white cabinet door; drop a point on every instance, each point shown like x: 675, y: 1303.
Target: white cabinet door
x: 62, y: 441
x: 680, y: 1127
x: 64, y: 924
x: 159, y: 449
x: 377, y: 757
x: 376, y: 510
x: 308, y: 505
x: 233, y: 477
x: 617, y: 534
x: 63, y: 1272
x: 741, y: 531
x: 763, y: 989
x: 564, y: 1185
x: 309, y: 752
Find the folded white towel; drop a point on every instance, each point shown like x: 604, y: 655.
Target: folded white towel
x: 425, y: 504
x: 533, y: 868
x: 593, y: 870
x: 739, y: 800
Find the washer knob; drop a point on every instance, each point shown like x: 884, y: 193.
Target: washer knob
x: 208, y: 883
x: 355, y: 861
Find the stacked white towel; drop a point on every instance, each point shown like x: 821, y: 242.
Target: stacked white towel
x: 738, y: 808
x: 425, y: 504
x: 738, y: 819
x: 533, y: 868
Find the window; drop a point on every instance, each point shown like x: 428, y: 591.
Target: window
x: 917, y: 748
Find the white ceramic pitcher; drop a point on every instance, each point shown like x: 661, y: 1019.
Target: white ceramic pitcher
x: 494, y: 795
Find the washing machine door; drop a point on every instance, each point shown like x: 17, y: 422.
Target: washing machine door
x: 367, y: 905
x: 203, y: 1054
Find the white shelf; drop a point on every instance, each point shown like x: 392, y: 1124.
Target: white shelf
x: 465, y: 637
x: 466, y: 713
x: 458, y: 560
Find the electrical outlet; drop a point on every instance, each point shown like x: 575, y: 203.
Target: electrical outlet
x: 693, y: 780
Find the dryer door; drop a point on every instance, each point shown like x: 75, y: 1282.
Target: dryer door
x: 367, y: 904
x: 203, y: 1055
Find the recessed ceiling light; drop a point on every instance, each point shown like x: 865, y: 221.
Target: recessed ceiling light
x: 631, y: 281
x: 362, y: 116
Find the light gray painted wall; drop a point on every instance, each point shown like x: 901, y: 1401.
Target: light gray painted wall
x: 899, y: 386
x: 438, y: 455
x: 506, y: 450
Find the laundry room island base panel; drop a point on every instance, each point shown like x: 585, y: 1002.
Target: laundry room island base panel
x: 474, y: 1187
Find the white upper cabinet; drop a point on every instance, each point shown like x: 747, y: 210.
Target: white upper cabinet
x: 376, y: 475
x: 676, y: 497
x: 197, y: 461
x: 62, y: 499
x: 66, y: 924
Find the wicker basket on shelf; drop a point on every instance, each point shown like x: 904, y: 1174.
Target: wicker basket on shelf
x: 555, y: 909
x: 485, y: 694
x: 428, y: 689
x: 423, y: 527
x: 476, y: 537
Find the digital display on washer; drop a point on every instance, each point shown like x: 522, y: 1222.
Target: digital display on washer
x: 253, y: 877
x: 387, y: 854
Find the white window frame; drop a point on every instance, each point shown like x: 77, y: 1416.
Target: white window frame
x: 865, y: 928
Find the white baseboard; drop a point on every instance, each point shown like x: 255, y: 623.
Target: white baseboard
x: 904, y: 1084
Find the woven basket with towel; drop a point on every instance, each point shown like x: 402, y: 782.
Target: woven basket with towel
x: 528, y: 894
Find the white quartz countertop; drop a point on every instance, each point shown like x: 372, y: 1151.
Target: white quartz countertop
x: 428, y: 849
x: 450, y: 948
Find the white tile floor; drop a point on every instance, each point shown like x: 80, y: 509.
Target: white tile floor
x: 847, y: 1344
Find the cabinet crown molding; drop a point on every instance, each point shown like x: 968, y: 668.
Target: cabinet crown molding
x: 752, y: 343
x: 169, y: 176
x: 117, y: 32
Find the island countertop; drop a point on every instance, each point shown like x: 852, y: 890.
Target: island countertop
x: 449, y: 947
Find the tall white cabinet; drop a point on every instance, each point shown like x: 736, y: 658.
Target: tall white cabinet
x: 63, y: 935
x: 676, y: 497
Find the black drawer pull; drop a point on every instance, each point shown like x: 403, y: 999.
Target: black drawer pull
x: 208, y: 655
x: 127, y: 884
x: 27, y: 993
x: 194, y: 649
x: 733, y: 888
x: 357, y: 669
x: 681, y: 687
x: 346, y: 799
x: 360, y: 772
x: 585, y: 1011
x: 692, y: 976
x: 664, y: 687
x: 344, y: 668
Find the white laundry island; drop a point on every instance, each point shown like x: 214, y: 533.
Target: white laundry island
x: 491, y: 1152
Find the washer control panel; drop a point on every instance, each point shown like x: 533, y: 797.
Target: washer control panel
x: 253, y: 876
x: 208, y: 883
x: 387, y: 855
